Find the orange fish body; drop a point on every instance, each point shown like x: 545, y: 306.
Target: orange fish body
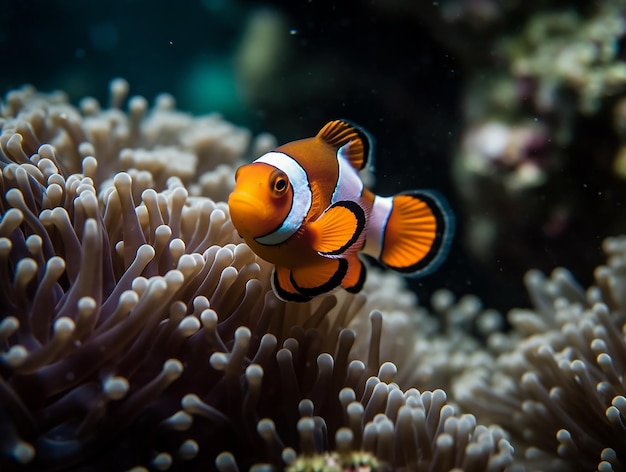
x: 304, y: 208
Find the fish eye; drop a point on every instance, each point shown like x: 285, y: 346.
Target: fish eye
x: 279, y: 183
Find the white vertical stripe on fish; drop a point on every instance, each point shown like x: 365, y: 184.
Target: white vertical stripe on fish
x: 377, y: 224
x: 302, y: 198
x: 349, y: 184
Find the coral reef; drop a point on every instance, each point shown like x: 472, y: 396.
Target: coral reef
x: 541, y: 144
x: 137, y: 331
x: 542, y: 139
x: 539, y: 164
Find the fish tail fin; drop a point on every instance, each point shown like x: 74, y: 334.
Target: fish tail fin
x: 415, y: 231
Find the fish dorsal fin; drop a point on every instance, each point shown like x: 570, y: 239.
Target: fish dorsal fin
x: 352, y: 142
x: 338, y: 228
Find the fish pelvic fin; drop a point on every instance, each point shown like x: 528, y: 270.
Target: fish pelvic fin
x: 418, y: 233
x: 304, y: 283
x: 352, y: 142
x: 355, y: 276
x: 319, y: 278
x: 283, y: 287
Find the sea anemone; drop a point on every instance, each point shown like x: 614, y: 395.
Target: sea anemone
x: 558, y: 385
x: 138, y: 331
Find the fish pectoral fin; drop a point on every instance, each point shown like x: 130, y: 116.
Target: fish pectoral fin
x: 352, y: 141
x: 355, y: 275
x: 338, y: 228
x: 418, y: 233
x: 319, y: 277
x: 283, y: 287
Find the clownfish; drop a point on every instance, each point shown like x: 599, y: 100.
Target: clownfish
x: 304, y: 208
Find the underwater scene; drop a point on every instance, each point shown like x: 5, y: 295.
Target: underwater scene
x: 383, y: 235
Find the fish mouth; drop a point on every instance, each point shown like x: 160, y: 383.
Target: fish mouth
x: 242, y: 205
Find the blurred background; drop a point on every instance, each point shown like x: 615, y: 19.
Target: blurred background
x: 512, y: 109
